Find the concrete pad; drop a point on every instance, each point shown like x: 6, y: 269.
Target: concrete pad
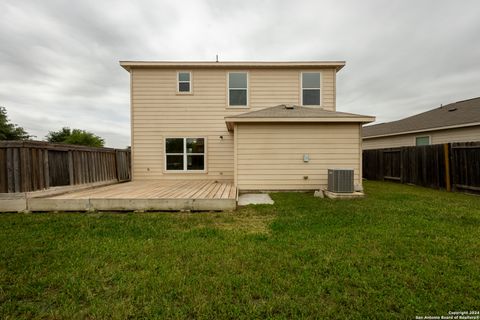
x: 162, y: 204
x: 51, y: 204
x: 12, y: 196
x: 337, y: 195
x: 13, y: 205
x: 40, y: 204
x: 254, y: 198
x: 319, y: 194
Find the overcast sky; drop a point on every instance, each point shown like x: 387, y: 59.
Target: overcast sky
x: 59, y: 59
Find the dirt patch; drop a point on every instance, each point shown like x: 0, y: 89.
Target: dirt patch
x: 248, y: 224
x: 244, y: 220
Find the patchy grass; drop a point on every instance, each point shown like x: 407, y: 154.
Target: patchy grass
x: 402, y: 251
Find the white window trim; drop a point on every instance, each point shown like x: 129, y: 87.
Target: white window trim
x: 422, y: 136
x: 184, y: 154
x: 320, y: 89
x: 228, y: 90
x: 178, y: 82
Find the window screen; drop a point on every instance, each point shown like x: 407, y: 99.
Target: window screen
x: 422, y: 141
x: 237, y: 89
x: 184, y: 82
x: 311, y: 88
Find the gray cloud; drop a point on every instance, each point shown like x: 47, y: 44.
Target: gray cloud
x: 60, y: 58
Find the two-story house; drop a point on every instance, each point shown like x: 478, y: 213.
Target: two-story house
x: 263, y: 125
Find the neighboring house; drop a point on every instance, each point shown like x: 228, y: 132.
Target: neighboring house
x: 455, y: 122
x: 263, y: 125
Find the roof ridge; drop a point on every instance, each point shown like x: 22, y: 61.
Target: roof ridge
x: 466, y: 100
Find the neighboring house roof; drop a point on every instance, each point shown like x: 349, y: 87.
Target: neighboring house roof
x: 291, y: 113
x: 459, y: 114
x: 233, y: 64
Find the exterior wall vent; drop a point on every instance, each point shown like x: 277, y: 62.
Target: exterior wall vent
x: 340, y: 180
x: 289, y: 106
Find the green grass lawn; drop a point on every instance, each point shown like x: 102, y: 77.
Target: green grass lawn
x: 400, y: 252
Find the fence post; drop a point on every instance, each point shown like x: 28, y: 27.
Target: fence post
x: 447, y: 167
x: 128, y: 164
x: 10, y: 171
x: 380, y: 164
x: 46, y: 169
x: 70, y: 167
x: 23, y: 170
x: 16, y: 169
x: 401, y: 165
x: 117, y: 173
x: 453, y: 162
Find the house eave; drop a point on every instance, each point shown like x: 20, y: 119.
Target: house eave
x: 230, y: 121
x: 423, y: 130
x: 128, y: 65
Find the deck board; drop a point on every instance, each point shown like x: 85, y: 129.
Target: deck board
x: 226, y: 192
x: 205, y: 191
x: 211, y: 194
x: 158, y: 189
x: 199, y: 190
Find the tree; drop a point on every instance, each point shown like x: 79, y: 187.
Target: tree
x: 75, y: 136
x: 59, y: 136
x: 10, y: 131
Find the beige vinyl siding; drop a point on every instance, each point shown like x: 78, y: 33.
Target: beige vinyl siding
x: 436, y: 137
x: 391, y: 142
x: 456, y: 135
x: 158, y: 111
x: 328, y: 90
x: 269, y: 88
x: 270, y: 156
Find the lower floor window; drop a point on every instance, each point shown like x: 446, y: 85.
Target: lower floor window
x: 185, y: 154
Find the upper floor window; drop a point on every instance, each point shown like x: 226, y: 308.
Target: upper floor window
x: 184, y: 82
x: 422, y: 141
x: 311, y: 88
x: 237, y: 89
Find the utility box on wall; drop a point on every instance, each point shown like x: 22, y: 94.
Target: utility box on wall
x: 340, y: 180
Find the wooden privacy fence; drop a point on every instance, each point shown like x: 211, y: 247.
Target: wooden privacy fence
x: 35, y: 165
x: 449, y: 166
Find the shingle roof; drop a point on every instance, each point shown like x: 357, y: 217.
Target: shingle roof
x: 455, y: 114
x: 286, y: 111
x: 295, y: 114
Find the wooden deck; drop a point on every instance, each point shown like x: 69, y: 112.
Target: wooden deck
x: 158, y: 195
x: 190, y: 189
